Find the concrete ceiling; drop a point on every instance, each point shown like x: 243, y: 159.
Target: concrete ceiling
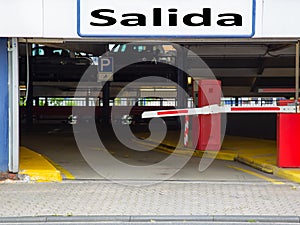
x: 244, y: 66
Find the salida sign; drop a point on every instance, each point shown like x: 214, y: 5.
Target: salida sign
x: 168, y: 18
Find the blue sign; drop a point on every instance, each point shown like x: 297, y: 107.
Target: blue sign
x: 106, y: 65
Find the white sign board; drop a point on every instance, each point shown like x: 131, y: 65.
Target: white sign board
x: 167, y: 18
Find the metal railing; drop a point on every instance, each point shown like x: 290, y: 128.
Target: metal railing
x: 92, y: 101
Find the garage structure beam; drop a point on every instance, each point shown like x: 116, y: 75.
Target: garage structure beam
x: 3, y: 105
x: 185, y: 41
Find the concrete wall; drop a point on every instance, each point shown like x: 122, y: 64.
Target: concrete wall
x: 252, y: 125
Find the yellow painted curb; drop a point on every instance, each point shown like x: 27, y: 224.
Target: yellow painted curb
x: 274, y: 181
x: 255, y: 163
x: 65, y: 172
x: 37, y: 167
x: 289, y: 174
x: 216, y: 155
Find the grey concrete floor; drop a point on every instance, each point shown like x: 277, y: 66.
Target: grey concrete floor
x: 57, y: 142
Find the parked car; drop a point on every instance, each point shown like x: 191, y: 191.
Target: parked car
x: 137, y: 60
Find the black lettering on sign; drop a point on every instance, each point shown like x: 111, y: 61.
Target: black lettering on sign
x: 172, y: 17
x: 231, y: 20
x: 157, y: 17
x: 136, y: 20
x: 205, y: 17
x: 108, y: 20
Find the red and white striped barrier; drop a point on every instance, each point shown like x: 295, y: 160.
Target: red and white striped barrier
x: 186, y: 131
x: 214, y: 109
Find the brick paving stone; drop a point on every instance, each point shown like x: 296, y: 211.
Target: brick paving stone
x: 167, y: 198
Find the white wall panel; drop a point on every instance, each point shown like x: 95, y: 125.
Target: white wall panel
x: 281, y: 18
x: 21, y: 18
x: 60, y: 19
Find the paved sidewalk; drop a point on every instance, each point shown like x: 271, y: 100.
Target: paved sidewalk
x: 75, y: 198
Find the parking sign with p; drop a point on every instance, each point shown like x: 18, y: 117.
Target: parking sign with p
x: 105, y: 69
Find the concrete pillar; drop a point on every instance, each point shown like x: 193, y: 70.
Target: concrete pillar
x: 181, y: 77
x: 3, y: 105
x: 106, y: 96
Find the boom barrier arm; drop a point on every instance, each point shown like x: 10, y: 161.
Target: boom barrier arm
x: 214, y: 109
